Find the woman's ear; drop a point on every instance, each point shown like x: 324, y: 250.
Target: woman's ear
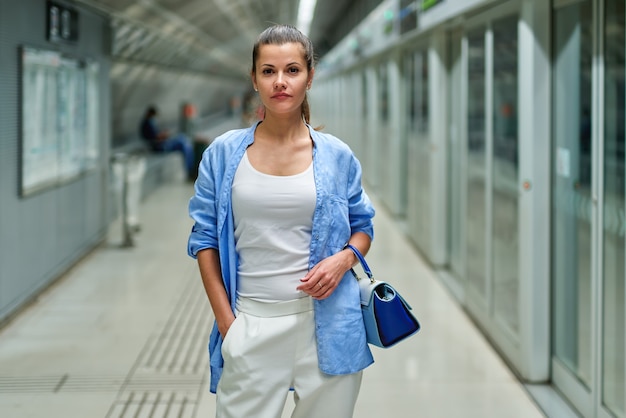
x: 311, y: 74
x: 253, y: 77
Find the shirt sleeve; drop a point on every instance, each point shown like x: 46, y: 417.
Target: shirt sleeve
x: 361, y: 210
x: 203, y: 210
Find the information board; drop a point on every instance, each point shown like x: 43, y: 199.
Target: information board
x: 59, y: 118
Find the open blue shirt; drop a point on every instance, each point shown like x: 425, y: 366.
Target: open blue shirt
x: 342, y: 208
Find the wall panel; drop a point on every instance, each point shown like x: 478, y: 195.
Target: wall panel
x: 43, y: 234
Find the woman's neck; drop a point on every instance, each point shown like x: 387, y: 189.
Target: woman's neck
x: 283, y: 129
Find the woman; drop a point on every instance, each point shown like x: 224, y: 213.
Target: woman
x: 274, y: 207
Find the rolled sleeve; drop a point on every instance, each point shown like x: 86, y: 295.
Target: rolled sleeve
x: 203, y: 210
x: 361, y: 209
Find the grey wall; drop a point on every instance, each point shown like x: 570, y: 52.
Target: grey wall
x: 44, y: 234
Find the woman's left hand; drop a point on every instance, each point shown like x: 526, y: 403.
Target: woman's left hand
x: 322, y: 280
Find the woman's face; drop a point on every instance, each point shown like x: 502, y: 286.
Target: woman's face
x: 281, y: 77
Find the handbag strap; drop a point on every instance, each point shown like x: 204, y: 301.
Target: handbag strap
x: 366, y: 268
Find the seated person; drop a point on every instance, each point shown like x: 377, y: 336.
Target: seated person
x: 163, y: 141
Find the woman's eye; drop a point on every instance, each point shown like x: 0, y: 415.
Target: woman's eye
x: 294, y: 70
x: 267, y: 71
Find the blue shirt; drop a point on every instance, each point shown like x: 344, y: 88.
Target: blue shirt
x: 342, y: 209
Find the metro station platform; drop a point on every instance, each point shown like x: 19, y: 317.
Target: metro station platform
x: 124, y: 334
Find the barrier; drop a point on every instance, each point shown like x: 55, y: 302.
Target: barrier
x: 128, y: 172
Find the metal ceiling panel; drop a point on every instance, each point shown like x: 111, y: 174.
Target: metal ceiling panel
x: 210, y: 36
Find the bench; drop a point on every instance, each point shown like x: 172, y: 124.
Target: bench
x: 158, y: 167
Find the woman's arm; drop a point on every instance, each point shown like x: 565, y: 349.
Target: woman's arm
x: 322, y: 280
x: 362, y: 242
x: 210, y: 270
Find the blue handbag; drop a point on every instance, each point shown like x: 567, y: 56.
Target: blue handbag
x: 387, y: 316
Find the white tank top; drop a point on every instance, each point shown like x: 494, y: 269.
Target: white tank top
x: 273, y: 219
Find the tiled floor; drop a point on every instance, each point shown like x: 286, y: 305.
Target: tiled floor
x: 124, y: 334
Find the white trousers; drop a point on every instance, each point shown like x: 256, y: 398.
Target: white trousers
x: 271, y: 348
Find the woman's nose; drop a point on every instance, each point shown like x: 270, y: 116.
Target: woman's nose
x: 280, y: 81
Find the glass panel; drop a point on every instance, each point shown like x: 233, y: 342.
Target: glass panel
x: 383, y: 84
x: 411, y: 134
x: 423, y: 166
x: 571, y: 180
x: 382, y: 141
x: 456, y: 179
x: 613, y: 325
x: 419, y: 153
x: 364, y: 97
x: 423, y: 107
x: 410, y: 76
x: 364, y: 117
x: 505, y: 172
x: 407, y: 128
x: 476, y: 161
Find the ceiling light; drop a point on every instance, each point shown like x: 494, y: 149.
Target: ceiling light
x: 306, y: 9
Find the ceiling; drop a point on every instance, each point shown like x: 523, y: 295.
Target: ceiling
x: 215, y: 36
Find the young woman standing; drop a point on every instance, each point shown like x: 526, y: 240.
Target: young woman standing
x: 274, y: 207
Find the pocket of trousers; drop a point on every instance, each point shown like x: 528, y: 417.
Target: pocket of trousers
x: 230, y: 334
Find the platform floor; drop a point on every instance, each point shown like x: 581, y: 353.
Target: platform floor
x: 124, y: 334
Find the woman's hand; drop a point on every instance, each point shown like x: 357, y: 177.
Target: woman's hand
x: 322, y: 280
x: 224, y: 324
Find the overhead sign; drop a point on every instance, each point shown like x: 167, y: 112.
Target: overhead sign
x: 427, y: 4
x: 62, y: 23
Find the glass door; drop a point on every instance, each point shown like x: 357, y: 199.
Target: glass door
x: 503, y: 214
x: 456, y: 154
x: 505, y: 169
x: 613, y: 391
x: 383, y: 137
x: 363, y: 117
x: 572, y: 341
x: 476, y: 164
x: 491, y: 218
x: 418, y: 152
x: 371, y: 137
x: 588, y: 208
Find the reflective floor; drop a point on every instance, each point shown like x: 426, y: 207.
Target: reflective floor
x: 124, y: 334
